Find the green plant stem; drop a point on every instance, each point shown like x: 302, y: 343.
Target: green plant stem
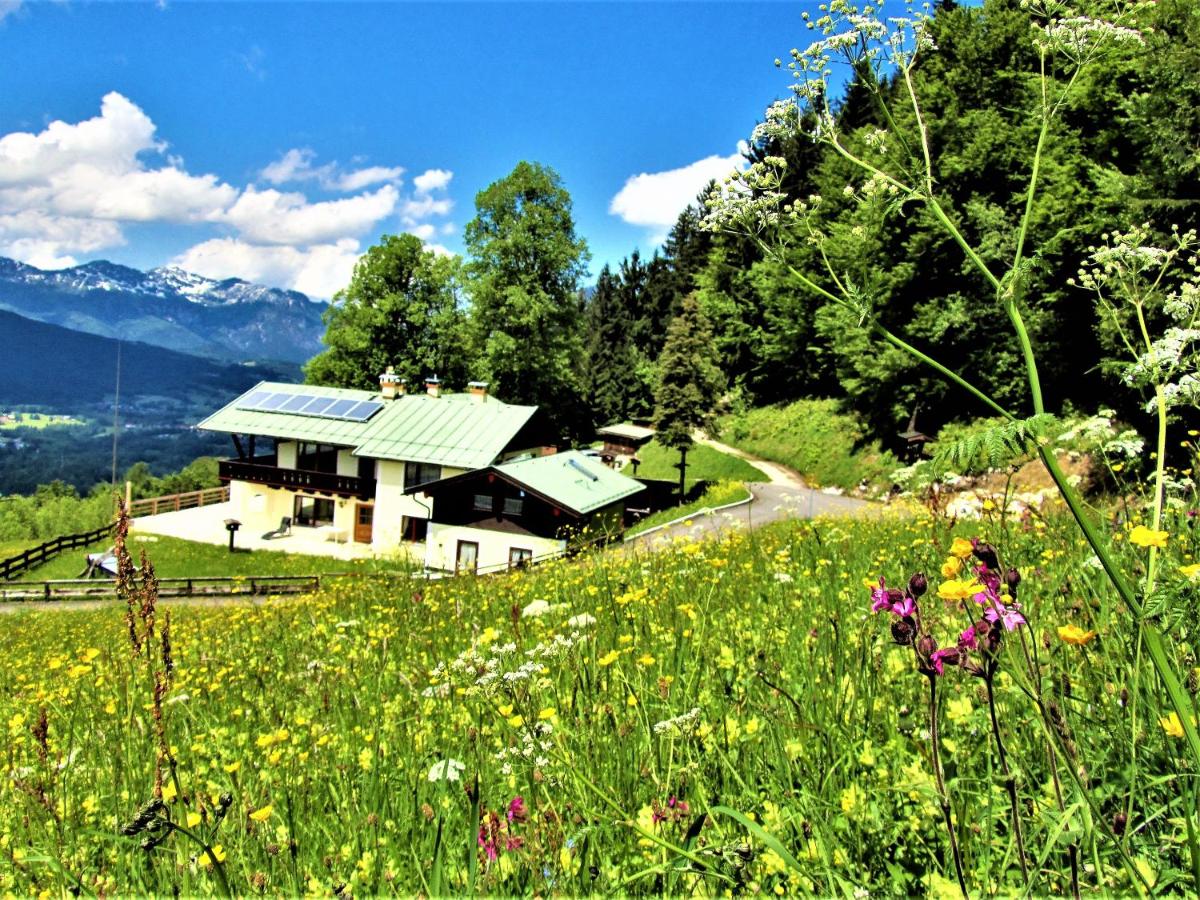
x: 953, y: 376
x: 943, y: 796
x: 1010, y: 783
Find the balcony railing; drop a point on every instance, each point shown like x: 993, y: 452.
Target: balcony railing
x: 264, y: 471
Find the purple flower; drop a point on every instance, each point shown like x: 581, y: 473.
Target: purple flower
x: 879, y: 597
x: 516, y: 810
x: 1010, y: 616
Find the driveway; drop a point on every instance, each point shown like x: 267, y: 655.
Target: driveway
x: 784, y: 496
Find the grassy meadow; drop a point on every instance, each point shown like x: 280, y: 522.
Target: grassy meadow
x: 714, y: 717
x: 703, y: 464
x: 177, y: 558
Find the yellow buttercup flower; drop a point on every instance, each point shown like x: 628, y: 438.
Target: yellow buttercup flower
x: 218, y: 853
x: 1073, y: 634
x: 1192, y: 571
x: 261, y: 815
x: 951, y: 567
x: 1148, y: 537
x: 961, y: 548
x: 959, y: 590
x: 1172, y: 725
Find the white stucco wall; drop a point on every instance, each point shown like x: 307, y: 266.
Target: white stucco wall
x: 261, y: 508
x: 441, y: 548
x: 391, y: 503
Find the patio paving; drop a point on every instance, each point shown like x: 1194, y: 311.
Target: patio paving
x: 207, y: 525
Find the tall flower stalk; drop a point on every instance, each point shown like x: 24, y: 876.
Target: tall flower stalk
x: 880, y: 48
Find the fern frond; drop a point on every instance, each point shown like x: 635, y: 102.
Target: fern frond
x: 994, y: 447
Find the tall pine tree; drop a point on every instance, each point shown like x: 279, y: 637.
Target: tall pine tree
x: 689, y: 381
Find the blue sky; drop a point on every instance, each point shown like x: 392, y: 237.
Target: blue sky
x: 277, y: 141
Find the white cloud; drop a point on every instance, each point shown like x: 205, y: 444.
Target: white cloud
x: 420, y: 207
x: 654, y: 200
x: 319, y: 270
x: 7, y: 8
x: 71, y: 188
x: 432, y: 180
x: 297, y: 165
x: 271, y: 217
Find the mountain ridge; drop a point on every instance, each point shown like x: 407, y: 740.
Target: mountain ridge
x: 227, y: 319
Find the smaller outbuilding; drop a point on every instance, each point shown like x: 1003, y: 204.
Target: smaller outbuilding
x: 520, y: 512
x: 624, y: 439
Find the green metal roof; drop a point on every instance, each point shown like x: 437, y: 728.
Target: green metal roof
x: 579, y: 483
x: 454, y: 430
x: 451, y: 430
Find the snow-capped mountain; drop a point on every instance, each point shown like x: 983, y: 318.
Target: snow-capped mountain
x: 230, y: 318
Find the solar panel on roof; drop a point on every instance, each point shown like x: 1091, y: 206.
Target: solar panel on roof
x: 339, y: 409
x: 363, y: 411
x: 252, y: 400
x: 317, y: 405
x: 296, y: 403
x: 273, y: 402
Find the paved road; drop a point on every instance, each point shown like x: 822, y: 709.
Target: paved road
x: 785, y: 496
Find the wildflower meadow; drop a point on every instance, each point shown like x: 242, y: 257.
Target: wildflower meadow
x: 887, y: 705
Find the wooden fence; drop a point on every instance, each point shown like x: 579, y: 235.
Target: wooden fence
x: 35, y: 556
x: 211, y: 586
x: 152, y: 506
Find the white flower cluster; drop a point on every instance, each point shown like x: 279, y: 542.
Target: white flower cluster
x: 1081, y: 38
x: 446, y: 770
x: 1099, y: 432
x: 683, y: 723
x: 534, y: 745
x: 503, y: 666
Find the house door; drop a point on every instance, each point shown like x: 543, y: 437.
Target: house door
x: 364, y: 519
x: 467, y: 557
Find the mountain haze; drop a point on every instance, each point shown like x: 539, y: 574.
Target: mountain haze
x: 229, y: 320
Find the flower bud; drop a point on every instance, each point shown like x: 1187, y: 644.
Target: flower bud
x: 926, y: 645
x: 918, y: 585
x: 985, y: 553
x: 1012, y: 578
x: 1120, y: 820
x: 903, y: 630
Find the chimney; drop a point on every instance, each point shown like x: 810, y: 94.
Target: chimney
x: 478, y: 391
x: 433, y: 387
x: 391, y: 385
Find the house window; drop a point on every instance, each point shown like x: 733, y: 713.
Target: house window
x: 519, y: 557
x: 514, y: 506
x: 413, y: 528
x: 313, y: 512
x: 421, y: 473
x: 484, y: 503
x: 316, y: 458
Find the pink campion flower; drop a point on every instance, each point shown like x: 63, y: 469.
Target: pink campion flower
x: 967, y: 640
x: 517, y: 813
x: 879, y: 597
x: 939, y: 658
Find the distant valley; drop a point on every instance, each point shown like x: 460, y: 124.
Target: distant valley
x: 188, y: 345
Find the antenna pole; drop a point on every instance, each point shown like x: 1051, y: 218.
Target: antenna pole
x: 116, y: 416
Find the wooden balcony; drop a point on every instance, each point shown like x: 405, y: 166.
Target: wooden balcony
x: 264, y: 471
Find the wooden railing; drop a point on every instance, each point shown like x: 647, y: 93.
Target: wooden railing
x: 152, y: 506
x: 35, y: 556
x: 297, y: 479
x: 213, y: 586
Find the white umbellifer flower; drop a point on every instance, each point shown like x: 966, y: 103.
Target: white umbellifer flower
x: 582, y: 620
x: 446, y: 770
x: 535, y: 609
x: 680, y: 724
